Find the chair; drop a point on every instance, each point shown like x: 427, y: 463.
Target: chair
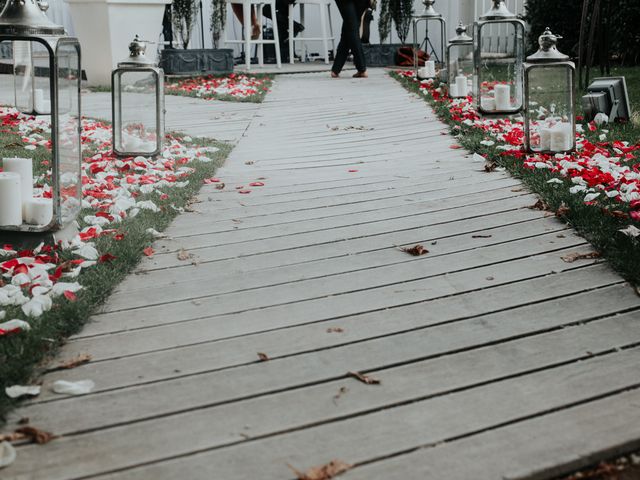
x: 247, y: 41
x: 325, y: 27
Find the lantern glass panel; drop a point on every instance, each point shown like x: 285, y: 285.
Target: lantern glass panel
x: 69, y: 148
x: 500, y: 52
x: 32, y: 83
x: 460, y: 70
x: 136, y: 110
x: 549, y: 108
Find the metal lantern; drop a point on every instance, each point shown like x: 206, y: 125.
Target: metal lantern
x: 428, y: 16
x: 549, y: 85
x: 498, y: 57
x: 46, y: 79
x: 137, y: 98
x: 460, y: 70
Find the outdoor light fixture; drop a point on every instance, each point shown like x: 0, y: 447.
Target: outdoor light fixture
x: 46, y: 79
x: 137, y: 100
x: 609, y: 96
x: 549, y: 86
x: 498, y: 38
x: 429, y: 15
x: 460, y: 63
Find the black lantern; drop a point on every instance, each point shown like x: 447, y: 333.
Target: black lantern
x: 428, y: 16
x: 47, y: 78
x: 498, y: 57
x: 137, y: 99
x: 549, y: 85
x: 460, y: 63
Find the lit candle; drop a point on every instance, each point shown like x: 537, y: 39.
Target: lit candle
x: 38, y: 211
x: 10, y: 199
x: 560, y: 137
x: 461, y: 85
x: 488, y: 104
x: 24, y: 168
x: 503, y: 97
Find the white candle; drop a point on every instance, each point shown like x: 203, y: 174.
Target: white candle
x: 453, y: 90
x: 24, y: 168
x: 40, y: 105
x: 560, y: 137
x: 503, y: 97
x: 430, y: 67
x: 10, y: 199
x: 461, y: 85
x: 545, y: 138
x: 38, y: 211
x: 488, y: 104
x: 422, y: 73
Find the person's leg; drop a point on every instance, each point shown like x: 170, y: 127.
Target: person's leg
x: 255, y: 27
x: 342, y: 52
x: 356, y: 43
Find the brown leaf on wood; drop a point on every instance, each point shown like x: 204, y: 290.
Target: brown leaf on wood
x: 335, y: 330
x: 481, y: 236
x: 220, y: 186
x: 37, y: 436
x: 12, y: 437
x: 490, y: 166
x: 572, y: 257
x: 263, y: 357
x: 76, y: 361
x: 364, y: 378
x: 562, y: 211
x: 416, y: 250
x: 539, y: 205
x: 23, y: 421
x: 184, y: 255
x: 323, y: 472
x: 249, y: 162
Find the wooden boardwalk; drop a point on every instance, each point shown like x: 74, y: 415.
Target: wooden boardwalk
x: 496, y: 358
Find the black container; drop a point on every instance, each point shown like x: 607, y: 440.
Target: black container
x: 381, y: 55
x: 197, y: 61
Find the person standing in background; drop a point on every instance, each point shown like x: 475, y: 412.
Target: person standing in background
x: 351, y: 12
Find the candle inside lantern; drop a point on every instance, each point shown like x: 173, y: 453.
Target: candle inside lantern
x: 560, y: 137
x: 24, y: 168
x: 430, y: 68
x: 488, y: 104
x: 503, y: 97
x: 40, y: 105
x: 453, y: 90
x: 10, y: 199
x: 38, y: 211
x: 545, y: 138
x: 461, y: 85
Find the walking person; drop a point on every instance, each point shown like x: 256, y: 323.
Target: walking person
x: 351, y: 12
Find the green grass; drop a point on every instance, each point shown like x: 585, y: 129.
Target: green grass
x: 22, y: 355
x: 597, y: 227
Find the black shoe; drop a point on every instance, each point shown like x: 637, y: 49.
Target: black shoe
x: 297, y: 28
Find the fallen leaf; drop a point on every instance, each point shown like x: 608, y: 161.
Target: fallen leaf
x: 572, y: 257
x: 517, y: 189
x: 76, y: 361
x: 490, y: 278
x: 323, y: 472
x: 23, y: 421
x: 341, y: 392
x: 263, y: 357
x: 480, y: 236
x: 220, y: 186
x: 490, y: 166
x: 416, y: 250
x: 37, y: 436
x: 539, y: 205
x: 249, y: 162
x: 364, y: 378
x: 455, y: 146
x: 562, y: 211
x: 335, y: 330
x: 184, y: 255
x: 148, y: 251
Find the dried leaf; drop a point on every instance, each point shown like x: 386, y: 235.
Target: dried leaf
x: 572, y: 257
x: 341, y: 392
x: 562, y: 211
x: 263, y: 357
x: 249, y: 162
x: 37, y: 436
x: 490, y: 166
x: 219, y: 186
x: 75, y: 361
x: 323, y: 472
x: 23, y: 421
x: 416, y: 250
x: 184, y: 255
x: 480, y: 236
x: 335, y: 330
x: 539, y: 205
x: 364, y: 378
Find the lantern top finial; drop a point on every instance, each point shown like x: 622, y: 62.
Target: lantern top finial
x: 461, y: 35
x: 26, y: 17
x: 137, y: 58
x: 429, y: 11
x: 548, y: 51
x: 498, y: 11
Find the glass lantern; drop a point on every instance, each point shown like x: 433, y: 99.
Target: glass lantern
x: 460, y: 72
x: 137, y: 99
x: 428, y: 16
x: 549, y: 86
x: 498, y: 57
x: 46, y: 80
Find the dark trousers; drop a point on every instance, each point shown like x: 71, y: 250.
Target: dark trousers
x: 351, y: 12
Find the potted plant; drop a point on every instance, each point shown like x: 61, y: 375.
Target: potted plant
x: 398, y: 13
x: 198, y: 61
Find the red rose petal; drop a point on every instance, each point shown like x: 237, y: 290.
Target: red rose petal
x: 244, y: 191
x: 256, y: 184
x: 148, y: 251
x: 69, y: 295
